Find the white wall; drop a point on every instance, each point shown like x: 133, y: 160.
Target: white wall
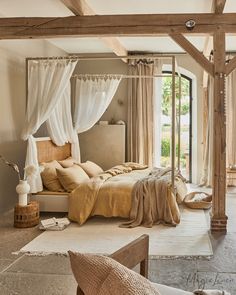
x: 12, y: 108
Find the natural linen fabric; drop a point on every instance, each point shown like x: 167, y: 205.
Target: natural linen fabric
x: 153, y: 202
x: 141, y: 119
x: 49, y: 176
x: 231, y: 122
x: 91, y: 99
x: 47, y: 81
x: 207, y: 175
x: 101, y: 275
x: 230, y: 109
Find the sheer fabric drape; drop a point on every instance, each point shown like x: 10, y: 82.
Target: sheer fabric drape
x: 92, y: 97
x: 230, y: 109
x: 48, y: 84
x: 142, y: 104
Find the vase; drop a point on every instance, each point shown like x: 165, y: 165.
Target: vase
x: 23, y: 189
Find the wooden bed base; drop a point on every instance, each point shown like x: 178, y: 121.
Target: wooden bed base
x: 132, y: 254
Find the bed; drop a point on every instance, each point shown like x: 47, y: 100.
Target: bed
x: 48, y: 151
x: 110, y: 193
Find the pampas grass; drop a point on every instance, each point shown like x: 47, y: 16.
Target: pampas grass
x: 30, y: 170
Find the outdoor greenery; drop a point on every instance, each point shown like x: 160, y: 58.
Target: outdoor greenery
x: 166, y: 128
x: 167, y: 95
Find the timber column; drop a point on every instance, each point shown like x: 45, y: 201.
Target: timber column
x: 219, y: 218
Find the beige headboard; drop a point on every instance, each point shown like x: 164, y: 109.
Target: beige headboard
x: 48, y: 151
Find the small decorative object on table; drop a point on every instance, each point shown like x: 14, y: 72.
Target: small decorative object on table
x: 23, y: 187
x: 26, y: 216
x: 198, y: 200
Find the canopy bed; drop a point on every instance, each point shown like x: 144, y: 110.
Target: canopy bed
x: 49, y: 100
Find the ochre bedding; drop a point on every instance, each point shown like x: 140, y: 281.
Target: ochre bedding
x: 106, y: 195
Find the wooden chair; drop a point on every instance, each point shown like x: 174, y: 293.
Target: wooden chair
x: 131, y: 255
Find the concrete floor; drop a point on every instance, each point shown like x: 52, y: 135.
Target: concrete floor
x: 51, y: 275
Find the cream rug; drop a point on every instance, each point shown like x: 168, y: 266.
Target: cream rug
x: 103, y: 236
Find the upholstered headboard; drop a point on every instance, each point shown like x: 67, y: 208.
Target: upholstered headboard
x: 48, y: 151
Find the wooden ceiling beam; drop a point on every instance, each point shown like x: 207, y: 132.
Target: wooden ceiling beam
x: 194, y: 52
x: 81, y: 7
x: 114, y: 25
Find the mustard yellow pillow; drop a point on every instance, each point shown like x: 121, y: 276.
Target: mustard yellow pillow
x: 67, y: 162
x: 91, y: 168
x: 101, y: 275
x: 71, y: 177
x: 49, y: 176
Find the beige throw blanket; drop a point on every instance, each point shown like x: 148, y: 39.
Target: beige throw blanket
x: 210, y: 292
x: 153, y: 202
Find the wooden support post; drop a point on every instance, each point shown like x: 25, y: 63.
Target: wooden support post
x: 219, y: 218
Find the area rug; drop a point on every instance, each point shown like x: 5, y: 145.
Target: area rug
x: 103, y: 236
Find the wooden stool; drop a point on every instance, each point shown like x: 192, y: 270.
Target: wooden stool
x: 26, y: 216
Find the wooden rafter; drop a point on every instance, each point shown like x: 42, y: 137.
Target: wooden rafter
x: 113, y: 25
x: 194, y: 52
x: 230, y: 66
x: 81, y: 7
x: 78, y: 7
x: 218, y: 6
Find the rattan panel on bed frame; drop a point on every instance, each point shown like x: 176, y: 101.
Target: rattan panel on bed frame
x: 48, y: 151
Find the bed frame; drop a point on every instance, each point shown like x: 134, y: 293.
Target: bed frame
x: 48, y: 151
x: 132, y: 254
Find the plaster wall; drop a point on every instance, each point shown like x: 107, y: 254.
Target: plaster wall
x: 12, y: 109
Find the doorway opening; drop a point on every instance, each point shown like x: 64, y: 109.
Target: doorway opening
x: 183, y: 124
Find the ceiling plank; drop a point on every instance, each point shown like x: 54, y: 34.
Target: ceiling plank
x: 194, y: 52
x: 113, y: 25
x: 80, y: 7
x: 218, y: 6
x: 230, y: 66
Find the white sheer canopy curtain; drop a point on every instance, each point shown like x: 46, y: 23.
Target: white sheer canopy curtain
x: 48, y: 93
x: 92, y: 97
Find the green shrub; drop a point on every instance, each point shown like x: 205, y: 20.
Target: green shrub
x: 165, y: 147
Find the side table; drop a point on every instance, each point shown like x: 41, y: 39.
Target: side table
x: 26, y: 216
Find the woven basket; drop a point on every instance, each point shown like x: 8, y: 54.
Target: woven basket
x: 26, y: 216
x: 205, y: 203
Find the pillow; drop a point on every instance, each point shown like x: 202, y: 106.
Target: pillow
x: 71, y: 177
x: 100, y: 275
x: 49, y: 176
x: 67, y: 162
x: 91, y: 168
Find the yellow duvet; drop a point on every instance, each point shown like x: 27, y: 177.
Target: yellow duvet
x: 106, y: 195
